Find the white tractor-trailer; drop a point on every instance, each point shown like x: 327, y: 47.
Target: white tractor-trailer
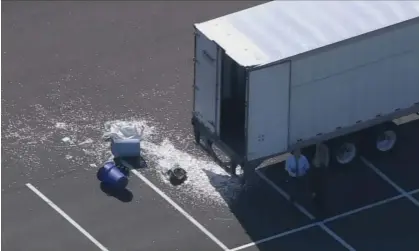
x: 289, y: 74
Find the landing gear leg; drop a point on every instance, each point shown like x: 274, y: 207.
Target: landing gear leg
x: 233, y: 168
x: 197, y: 136
x: 210, y: 150
x: 250, y: 177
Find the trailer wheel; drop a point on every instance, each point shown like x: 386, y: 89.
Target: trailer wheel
x: 344, y: 152
x: 386, y: 140
x: 383, y: 138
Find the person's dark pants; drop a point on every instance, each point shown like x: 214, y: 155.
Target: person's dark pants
x: 298, y: 188
x: 318, y: 179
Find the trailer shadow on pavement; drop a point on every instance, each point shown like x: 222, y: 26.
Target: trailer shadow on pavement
x: 261, y: 213
x: 357, y: 185
x: 272, y: 223
x: 402, y: 165
x: 368, y: 196
x: 346, y: 189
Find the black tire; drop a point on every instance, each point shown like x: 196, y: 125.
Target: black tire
x: 177, y: 175
x: 371, y: 137
x: 336, y: 147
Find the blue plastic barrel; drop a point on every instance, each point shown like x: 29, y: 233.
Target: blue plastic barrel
x: 126, y: 148
x: 111, y: 175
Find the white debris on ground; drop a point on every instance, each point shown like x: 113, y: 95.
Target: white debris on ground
x: 206, y: 181
x: 67, y: 140
x: 60, y: 125
x: 87, y: 141
x: 80, y: 133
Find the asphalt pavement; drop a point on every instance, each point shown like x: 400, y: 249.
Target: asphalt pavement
x: 370, y: 204
x: 135, y: 219
x: 81, y: 64
x: 28, y: 223
x: 89, y: 62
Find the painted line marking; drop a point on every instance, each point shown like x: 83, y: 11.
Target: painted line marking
x: 333, y: 218
x: 306, y: 212
x: 389, y: 181
x: 336, y: 237
x: 65, y: 216
x: 285, y: 195
x: 372, y: 205
x: 413, y: 192
x: 180, y: 210
x: 275, y: 236
x: 360, y: 209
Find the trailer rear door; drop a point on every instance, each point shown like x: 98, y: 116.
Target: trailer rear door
x: 207, y: 78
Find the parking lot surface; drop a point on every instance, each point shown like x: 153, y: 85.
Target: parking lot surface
x: 371, y: 204
x: 125, y: 220
x: 387, y: 227
x: 69, y: 67
x: 251, y: 216
x: 30, y: 224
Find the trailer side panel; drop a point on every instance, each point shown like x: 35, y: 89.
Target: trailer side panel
x: 355, y: 82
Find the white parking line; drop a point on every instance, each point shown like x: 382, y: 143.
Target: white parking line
x: 413, y: 192
x: 389, y: 181
x: 65, y: 216
x: 299, y: 229
x: 336, y: 237
x: 285, y: 194
x: 305, y: 212
x: 180, y: 210
x: 357, y: 210
x: 295, y: 230
x: 376, y: 204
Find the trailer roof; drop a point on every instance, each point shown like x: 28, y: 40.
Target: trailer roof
x: 279, y: 30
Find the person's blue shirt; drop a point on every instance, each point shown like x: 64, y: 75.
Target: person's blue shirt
x: 294, y: 170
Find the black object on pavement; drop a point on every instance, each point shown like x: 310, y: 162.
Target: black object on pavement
x: 177, y: 175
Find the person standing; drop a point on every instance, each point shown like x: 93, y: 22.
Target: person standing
x: 297, y: 167
x: 318, y: 172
